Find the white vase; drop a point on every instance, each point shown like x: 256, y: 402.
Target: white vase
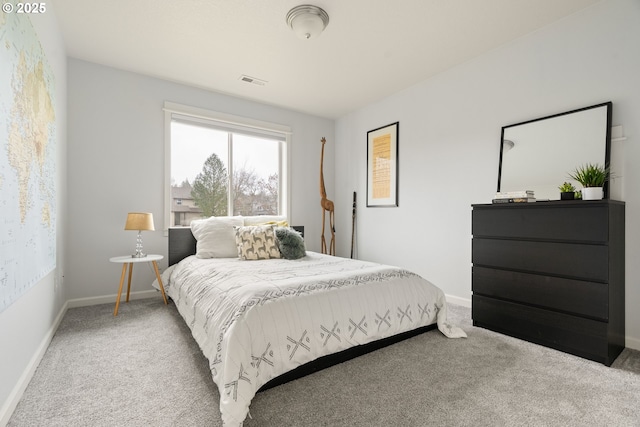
x: 592, y: 193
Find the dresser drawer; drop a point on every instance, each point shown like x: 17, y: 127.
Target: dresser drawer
x: 589, y: 262
x: 573, y: 222
x: 583, y: 337
x: 587, y: 299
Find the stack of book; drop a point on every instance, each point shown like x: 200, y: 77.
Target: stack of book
x: 523, y: 196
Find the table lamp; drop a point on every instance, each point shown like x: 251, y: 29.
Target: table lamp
x: 139, y: 221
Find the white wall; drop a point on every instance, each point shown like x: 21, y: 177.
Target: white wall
x: 26, y: 326
x: 449, y: 142
x: 116, y: 165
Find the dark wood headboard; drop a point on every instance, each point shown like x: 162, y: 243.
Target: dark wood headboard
x: 182, y: 243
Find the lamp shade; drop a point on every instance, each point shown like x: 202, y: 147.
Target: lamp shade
x: 307, y: 21
x: 139, y: 221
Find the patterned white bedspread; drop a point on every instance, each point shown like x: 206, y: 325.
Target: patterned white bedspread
x: 255, y: 320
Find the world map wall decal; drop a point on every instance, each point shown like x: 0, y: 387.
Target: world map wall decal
x: 27, y: 159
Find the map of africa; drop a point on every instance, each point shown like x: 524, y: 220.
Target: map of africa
x: 27, y: 160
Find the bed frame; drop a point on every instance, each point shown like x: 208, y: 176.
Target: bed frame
x: 182, y: 244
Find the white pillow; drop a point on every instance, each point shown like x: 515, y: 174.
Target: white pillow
x: 216, y: 237
x: 263, y: 219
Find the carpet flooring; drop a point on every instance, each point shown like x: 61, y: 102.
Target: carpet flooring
x: 143, y: 368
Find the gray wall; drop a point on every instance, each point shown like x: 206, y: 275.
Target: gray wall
x: 450, y: 137
x: 116, y: 165
x: 28, y: 324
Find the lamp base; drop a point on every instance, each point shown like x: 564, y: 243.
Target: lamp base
x: 139, y: 253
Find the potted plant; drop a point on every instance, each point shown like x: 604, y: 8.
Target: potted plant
x: 567, y: 191
x: 592, y: 178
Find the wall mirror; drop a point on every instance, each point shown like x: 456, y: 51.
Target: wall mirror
x: 540, y: 154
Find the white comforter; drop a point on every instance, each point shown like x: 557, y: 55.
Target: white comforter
x: 255, y: 320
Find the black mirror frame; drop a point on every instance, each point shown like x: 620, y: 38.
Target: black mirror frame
x: 607, y: 155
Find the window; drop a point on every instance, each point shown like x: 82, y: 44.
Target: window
x: 220, y: 165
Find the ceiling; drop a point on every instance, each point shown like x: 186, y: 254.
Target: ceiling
x: 370, y: 49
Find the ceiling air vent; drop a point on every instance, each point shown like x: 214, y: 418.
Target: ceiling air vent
x: 253, y: 80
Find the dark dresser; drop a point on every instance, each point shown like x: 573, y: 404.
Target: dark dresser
x: 552, y: 273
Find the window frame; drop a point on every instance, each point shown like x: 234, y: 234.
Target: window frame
x: 229, y: 122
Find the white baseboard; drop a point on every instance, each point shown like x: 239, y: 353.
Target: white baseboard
x: 106, y: 299
x: 465, y: 302
x: 16, y: 394
x: 632, y: 343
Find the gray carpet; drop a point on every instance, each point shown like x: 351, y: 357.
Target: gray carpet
x: 143, y: 368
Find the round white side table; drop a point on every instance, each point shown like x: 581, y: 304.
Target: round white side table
x: 128, y: 261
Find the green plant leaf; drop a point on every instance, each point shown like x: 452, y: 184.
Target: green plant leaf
x: 591, y: 175
x: 567, y: 187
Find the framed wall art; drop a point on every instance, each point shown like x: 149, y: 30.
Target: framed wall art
x: 382, y: 166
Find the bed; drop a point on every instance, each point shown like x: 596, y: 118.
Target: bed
x: 263, y: 322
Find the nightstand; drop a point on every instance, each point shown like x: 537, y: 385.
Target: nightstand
x: 128, y: 261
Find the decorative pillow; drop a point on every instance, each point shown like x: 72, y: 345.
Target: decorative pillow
x: 216, y: 237
x: 256, y: 242
x: 275, y: 223
x: 265, y: 219
x: 290, y: 243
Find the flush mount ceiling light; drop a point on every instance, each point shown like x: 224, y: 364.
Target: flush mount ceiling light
x: 307, y: 21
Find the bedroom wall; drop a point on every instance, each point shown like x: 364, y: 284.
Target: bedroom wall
x: 27, y: 325
x: 116, y: 165
x: 449, y: 143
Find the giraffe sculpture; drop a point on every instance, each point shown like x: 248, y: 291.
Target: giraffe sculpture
x: 327, y: 205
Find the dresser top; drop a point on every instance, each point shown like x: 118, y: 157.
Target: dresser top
x: 551, y: 204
